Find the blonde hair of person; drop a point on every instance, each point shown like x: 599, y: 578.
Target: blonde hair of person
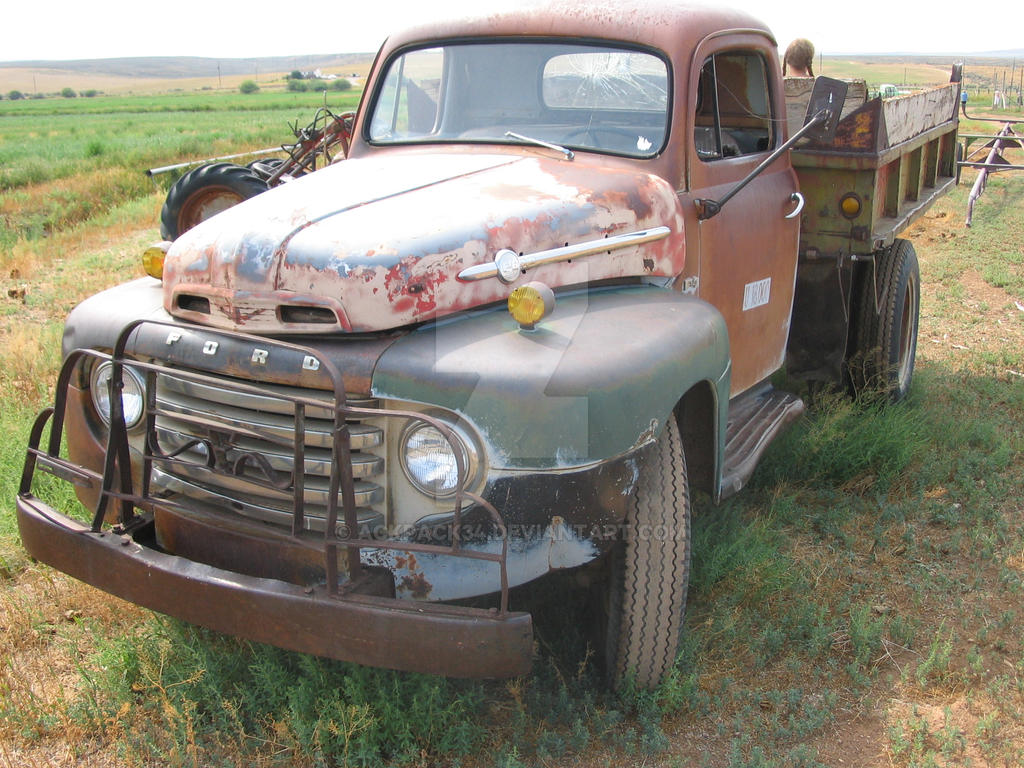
x: 800, y: 57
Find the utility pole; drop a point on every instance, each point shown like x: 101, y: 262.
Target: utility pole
x: 219, y: 86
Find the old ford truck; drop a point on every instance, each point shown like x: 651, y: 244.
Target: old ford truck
x: 539, y: 302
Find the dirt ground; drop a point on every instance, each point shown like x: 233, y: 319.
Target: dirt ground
x: 994, y: 311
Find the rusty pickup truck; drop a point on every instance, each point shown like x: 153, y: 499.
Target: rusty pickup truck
x: 540, y: 300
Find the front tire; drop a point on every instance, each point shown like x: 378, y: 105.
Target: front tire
x: 649, y: 570
x: 882, y: 360
x: 204, y: 192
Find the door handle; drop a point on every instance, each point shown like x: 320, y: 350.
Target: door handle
x: 797, y: 198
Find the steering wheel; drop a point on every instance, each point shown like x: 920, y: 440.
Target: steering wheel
x: 612, y: 130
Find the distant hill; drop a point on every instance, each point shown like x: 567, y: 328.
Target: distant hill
x: 168, y: 67
x: 164, y: 74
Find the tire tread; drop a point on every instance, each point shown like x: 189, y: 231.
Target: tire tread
x: 656, y: 568
x: 877, y: 322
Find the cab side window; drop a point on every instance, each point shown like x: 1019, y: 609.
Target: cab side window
x: 734, y: 114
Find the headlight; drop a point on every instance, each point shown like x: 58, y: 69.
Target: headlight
x: 133, y: 396
x: 429, y: 459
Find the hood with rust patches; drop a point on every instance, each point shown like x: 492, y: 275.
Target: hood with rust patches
x: 377, y: 243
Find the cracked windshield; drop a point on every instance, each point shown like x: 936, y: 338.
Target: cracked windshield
x: 567, y: 95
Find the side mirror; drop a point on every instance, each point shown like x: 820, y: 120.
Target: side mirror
x: 828, y: 96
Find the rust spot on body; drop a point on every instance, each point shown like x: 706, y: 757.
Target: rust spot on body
x: 416, y: 585
x: 414, y: 582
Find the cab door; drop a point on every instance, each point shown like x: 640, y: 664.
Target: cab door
x: 747, y: 253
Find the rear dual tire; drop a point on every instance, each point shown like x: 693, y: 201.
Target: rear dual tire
x: 881, y: 363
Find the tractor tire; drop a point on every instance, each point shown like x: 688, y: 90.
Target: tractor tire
x: 645, y: 597
x: 204, y: 192
x: 881, y: 361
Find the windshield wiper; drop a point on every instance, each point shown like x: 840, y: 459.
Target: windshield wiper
x: 541, y: 143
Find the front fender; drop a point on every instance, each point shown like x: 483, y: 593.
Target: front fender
x: 595, y: 380
x: 98, y: 320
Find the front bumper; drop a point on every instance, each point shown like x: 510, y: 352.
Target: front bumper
x: 368, y: 629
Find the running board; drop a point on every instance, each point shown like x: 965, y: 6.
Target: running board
x: 755, y: 419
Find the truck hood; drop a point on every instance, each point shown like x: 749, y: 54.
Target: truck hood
x: 378, y: 243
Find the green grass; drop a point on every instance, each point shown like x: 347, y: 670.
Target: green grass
x: 195, y: 102
x: 62, y: 161
x: 174, y: 689
x: 44, y: 140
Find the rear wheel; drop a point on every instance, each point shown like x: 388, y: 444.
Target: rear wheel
x: 885, y: 341
x: 204, y: 192
x: 649, y: 570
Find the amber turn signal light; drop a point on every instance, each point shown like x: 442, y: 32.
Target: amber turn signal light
x: 850, y: 205
x: 529, y: 304
x: 153, y: 259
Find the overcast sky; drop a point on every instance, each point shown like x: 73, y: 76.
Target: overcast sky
x: 73, y: 29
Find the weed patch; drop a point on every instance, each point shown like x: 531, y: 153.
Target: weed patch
x: 170, y: 689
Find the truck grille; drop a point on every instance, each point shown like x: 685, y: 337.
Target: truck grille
x: 251, y: 437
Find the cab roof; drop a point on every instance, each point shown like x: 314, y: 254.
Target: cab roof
x: 670, y: 26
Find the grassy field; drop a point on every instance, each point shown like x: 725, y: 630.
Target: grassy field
x: 63, y: 161
x: 859, y: 604
x: 884, y: 70
x: 920, y: 70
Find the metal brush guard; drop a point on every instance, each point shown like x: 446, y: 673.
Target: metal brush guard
x: 117, y: 463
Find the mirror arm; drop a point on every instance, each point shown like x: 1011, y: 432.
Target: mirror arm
x: 708, y: 208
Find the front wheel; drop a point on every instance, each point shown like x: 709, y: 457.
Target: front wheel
x: 885, y: 339
x: 649, y: 570
x: 204, y: 192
